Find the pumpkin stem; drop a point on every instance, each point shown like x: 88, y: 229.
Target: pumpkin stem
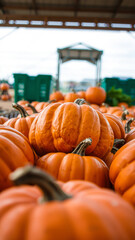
x: 124, y: 115
x: 81, y: 147
x: 73, y: 90
x: 51, y: 101
x: 35, y: 176
x: 80, y: 101
x: 127, y: 125
x: 32, y: 107
x: 118, y: 143
x: 114, y: 150
x: 21, y: 110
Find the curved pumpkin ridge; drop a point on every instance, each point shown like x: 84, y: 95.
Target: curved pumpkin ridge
x: 122, y: 158
x: 115, y: 128
x: 10, y: 122
x: 117, y: 121
x: 126, y: 178
x: 65, y: 125
x: 4, y: 173
x: 89, y: 129
x: 16, y: 137
x: 129, y: 195
x: 6, y: 147
x: 22, y: 126
x: 106, y: 139
x: 43, y: 130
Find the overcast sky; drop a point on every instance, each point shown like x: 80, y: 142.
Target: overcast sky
x: 34, y: 51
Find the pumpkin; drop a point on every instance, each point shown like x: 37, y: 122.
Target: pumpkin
x: 122, y: 171
x: 81, y: 94
x: 130, y: 135
x: 23, y: 123
x: 15, y: 151
x: 116, y: 125
x: 4, y: 86
x: 4, y: 97
x: 34, y: 103
x: 75, y: 166
x: 22, y: 102
x: 41, y: 105
x: 61, y: 127
x: 104, y: 107
x: 96, y: 95
x: 48, y: 212
x: 123, y: 104
x: 57, y: 96
x: 71, y: 96
x: 3, y: 119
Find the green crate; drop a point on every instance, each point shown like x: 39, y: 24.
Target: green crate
x: 128, y: 85
x: 32, y: 88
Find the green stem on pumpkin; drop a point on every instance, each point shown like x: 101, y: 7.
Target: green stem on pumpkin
x: 81, y: 147
x: 80, y: 101
x: 34, y: 176
x: 21, y: 110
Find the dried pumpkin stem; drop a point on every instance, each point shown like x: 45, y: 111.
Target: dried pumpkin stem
x: 127, y: 125
x: 118, y: 142
x: 114, y: 150
x: 80, y: 149
x: 34, y: 176
x: 51, y: 101
x: 21, y: 110
x: 124, y: 115
x: 32, y: 107
x: 80, y: 101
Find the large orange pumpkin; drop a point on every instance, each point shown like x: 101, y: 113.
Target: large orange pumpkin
x: 76, y: 166
x: 15, y: 151
x: 47, y: 212
x: 23, y: 123
x: 122, y: 171
x: 96, y: 95
x: 61, y: 127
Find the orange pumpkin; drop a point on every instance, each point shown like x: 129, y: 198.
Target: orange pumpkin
x: 123, y: 104
x: 116, y: 125
x: 23, y: 123
x: 4, y: 86
x: 71, y: 96
x: 61, y: 127
x: 76, y: 166
x: 15, y: 151
x: 3, y: 119
x: 130, y: 136
x: 82, y: 94
x: 57, y: 96
x: 122, y: 171
x: 47, y: 212
x: 4, y: 97
x: 22, y: 102
x: 96, y: 95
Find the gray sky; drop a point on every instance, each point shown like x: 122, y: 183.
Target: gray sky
x: 34, y: 51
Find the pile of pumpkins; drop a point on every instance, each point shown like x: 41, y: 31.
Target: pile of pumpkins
x: 4, y: 96
x: 67, y: 169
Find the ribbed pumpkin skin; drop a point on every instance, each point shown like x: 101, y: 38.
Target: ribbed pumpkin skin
x: 66, y: 167
x: 15, y: 151
x: 130, y: 136
x: 41, y: 105
x: 106, y: 139
x: 61, y: 127
x: 90, y: 214
x: 116, y: 125
x: 21, y: 124
x: 122, y: 170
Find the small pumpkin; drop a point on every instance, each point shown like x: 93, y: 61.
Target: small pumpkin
x: 71, y: 96
x: 3, y: 119
x: 48, y: 212
x: 57, y: 95
x: 95, y: 95
x: 23, y: 123
x: 82, y: 94
x: 76, y: 166
x: 4, y: 97
x: 61, y: 127
x: 4, y: 86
